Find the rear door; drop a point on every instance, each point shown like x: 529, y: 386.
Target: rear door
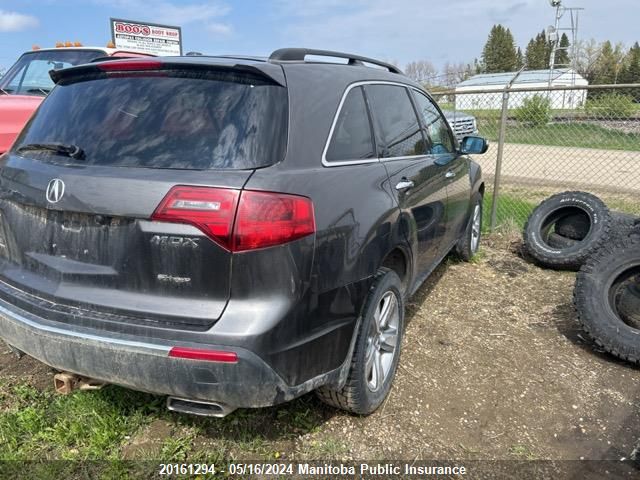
x: 79, y: 232
x: 443, y: 149
x: 417, y: 180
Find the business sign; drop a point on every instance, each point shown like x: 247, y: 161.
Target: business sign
x: 146, y: 37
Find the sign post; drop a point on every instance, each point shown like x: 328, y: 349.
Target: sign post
x: 146, y: 37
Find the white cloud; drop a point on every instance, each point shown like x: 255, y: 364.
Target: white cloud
x: 220, y: 29
x: 14, y: 21
x: 173, y: 13
x: 181, y: 14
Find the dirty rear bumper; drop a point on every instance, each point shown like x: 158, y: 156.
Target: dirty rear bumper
x: 144, y: 364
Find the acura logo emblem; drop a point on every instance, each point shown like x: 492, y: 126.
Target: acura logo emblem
x: 55, y: 190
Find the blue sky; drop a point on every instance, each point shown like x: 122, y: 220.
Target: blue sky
x: 396, y: 30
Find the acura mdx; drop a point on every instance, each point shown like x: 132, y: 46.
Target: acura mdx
x: 231, y: 231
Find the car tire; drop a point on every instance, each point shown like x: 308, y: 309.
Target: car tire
x: 542, y: 222
x: 607, y: 299
x: 573, y: 227
x: 377, y: 349
x: 629, y: 305
x: 469, y: 244
x: 576, y: 227
x: 556, y: 240
x: 569, y: 230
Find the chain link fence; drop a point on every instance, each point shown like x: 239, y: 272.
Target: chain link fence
x: 549, y: 139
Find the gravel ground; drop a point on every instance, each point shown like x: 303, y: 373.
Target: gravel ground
x: 494, y: 366
x: 624, y: 126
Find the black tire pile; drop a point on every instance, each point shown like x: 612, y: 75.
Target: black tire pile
x: 577, y: 231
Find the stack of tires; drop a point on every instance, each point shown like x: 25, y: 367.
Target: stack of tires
x: 576, y: 231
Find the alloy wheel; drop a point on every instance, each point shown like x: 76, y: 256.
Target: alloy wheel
x: 382, y: 341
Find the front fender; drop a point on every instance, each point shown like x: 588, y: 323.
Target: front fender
x: 475, y: 177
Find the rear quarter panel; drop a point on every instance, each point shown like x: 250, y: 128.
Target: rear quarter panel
x: 356, y: 226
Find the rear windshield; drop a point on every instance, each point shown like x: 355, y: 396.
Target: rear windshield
x: 181, y: 120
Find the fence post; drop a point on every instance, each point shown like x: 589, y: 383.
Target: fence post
x: 503, y: 128
x: 498, y: 172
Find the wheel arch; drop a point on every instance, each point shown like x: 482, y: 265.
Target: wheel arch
x: 398, y: 259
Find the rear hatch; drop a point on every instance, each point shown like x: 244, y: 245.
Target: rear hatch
x: 79, y: 189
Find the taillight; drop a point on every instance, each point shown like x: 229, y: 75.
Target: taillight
x: 129, y: 65
x: 263, y: 219
x: 210, y: 209
x: 266, y: 219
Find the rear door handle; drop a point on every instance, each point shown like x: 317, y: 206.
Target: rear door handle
x: 450, y: 174
x: 404, y: 184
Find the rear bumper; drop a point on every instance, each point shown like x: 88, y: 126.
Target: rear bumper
x: 143, y: 364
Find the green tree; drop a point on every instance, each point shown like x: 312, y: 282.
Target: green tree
x: 630, y: 72
x: 519, y: 59
x: 478, y: 67
x: 538, y: 52
x: 609, y: 64
x: 562, y: 55
x: 499, y: 53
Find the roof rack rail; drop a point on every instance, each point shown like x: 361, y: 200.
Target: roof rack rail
x: 255, y: 58
x: 299, y: 54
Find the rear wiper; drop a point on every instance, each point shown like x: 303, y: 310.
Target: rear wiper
x: 72, y: 151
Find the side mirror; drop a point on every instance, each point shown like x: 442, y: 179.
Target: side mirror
x: 474, y: 145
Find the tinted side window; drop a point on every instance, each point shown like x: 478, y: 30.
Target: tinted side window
x: 437, y: 130
x: 352, y: 139
x: 396, y: 119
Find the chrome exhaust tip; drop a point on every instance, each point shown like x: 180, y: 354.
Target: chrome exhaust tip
x: 199, y: 407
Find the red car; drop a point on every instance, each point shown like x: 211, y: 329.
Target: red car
x: 27, y: 82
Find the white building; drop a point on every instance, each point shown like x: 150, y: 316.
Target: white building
x: 496, y: 82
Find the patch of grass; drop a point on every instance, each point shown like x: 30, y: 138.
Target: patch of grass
x: 583, y: 135
x: 84, y: 425
x: 98, y: 425
x: 478, y: 257
x: 512, y: 211
x: 623, y: 205
x: 266, y: 433
x: 177, y: 448
x: 516, y: 203
x: 326, y: 448
x: 522, y: 452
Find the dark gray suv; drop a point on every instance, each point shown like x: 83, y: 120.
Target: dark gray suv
x: 230, y: 232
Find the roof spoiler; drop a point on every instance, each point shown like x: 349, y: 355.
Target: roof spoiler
x: 142, y: 64
x: 299, y: 54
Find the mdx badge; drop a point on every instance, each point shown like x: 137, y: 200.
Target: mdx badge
x: 169, y: 241
x: 55, y: 190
